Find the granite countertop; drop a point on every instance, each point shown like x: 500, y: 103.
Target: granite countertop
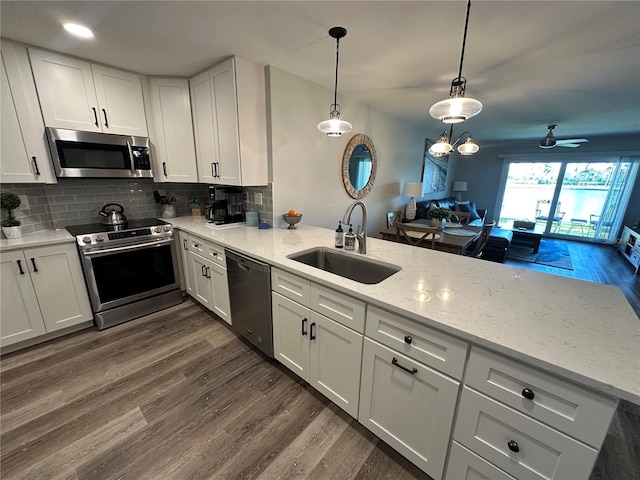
x: 582, y: 331
x: 37, y: 239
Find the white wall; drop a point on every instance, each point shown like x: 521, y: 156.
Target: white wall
x: 306, y: 165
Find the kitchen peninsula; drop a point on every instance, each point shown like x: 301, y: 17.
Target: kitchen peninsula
x: 582, y: 331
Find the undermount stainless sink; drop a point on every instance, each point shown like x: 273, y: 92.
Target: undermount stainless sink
x: 346, y: 265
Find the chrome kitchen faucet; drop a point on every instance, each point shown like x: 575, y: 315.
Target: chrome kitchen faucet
x: 361, y: 234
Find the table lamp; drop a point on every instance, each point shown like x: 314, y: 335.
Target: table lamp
x: 412, y: 189
x: 459, y: 187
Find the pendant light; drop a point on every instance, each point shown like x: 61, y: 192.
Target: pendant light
x: 442, y: 146
x: 457, y: 108
x: 334, y: 127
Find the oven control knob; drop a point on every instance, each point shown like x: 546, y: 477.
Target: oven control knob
x: 157, y: 230
x: 86, y: 239
x: 167, y: 228
x: 100, y: 238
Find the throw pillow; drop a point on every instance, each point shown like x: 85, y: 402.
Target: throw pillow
x: 470, y: 207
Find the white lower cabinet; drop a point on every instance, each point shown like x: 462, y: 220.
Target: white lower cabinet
x: 321, y: 351
x: 408, y: 405
x: 466, y: 465
x: 205, y: 274
x: 527, y: 423
x: 43, y: 290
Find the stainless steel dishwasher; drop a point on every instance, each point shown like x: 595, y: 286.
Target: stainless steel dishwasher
x: 250, y: 298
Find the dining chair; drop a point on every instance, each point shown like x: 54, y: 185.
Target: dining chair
x: 463, y: 217
x: 393, y: 218
x: 475, y: 248
x: 417, y: 235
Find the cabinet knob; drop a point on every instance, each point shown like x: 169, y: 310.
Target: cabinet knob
x: 408, y: 339
x: 513, y: 446
x: 528, y: 393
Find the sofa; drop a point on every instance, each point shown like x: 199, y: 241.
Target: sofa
x: 499, y: 240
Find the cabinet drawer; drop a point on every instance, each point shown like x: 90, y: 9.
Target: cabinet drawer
x: 488, y: 428
x: 466, y: 465
x: 215, y: 253
x: 339, y: 307
x: 291, y: 286
x: 581, y: 413
x: 196, y: 245
x: 427, y: 345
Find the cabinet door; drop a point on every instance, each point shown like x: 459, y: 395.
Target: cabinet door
x: 201, y: 286
x: 204, y: 127
x: 66, y: 91
x: 119, y: 96
x: 291, y: 334
x: 59, y: 283
x: 20, y: 317
x: 408, y: 405
x: 23, y: 147
x: 225, y: 111
x: 174, y: 151
x: 335, y: 360
x: 220, y: 300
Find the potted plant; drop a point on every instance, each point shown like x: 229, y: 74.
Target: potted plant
x: 10, y: 225
x: 194, y: 203
x: 438, y: 215
x: 168, y: 205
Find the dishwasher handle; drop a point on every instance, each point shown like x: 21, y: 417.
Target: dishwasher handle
x: 246, y: 263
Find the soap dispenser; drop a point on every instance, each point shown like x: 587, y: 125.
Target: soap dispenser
x: 339, y: 236
x: 350, y: 239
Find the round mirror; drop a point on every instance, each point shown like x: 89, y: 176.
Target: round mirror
x: 359, y: 164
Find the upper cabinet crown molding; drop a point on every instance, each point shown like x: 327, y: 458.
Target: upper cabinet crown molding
x: 23, y: 147
x: 229, y: 117
x: 79, y: 95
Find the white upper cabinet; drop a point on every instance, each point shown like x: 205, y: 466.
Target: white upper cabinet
x: 229, y: 115
x: 172, y: 131
x: 23, y: 146
x: 78, y: 95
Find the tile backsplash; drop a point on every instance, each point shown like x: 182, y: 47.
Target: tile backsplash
x: 76, y: 201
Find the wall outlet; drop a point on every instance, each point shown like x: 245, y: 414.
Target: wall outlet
x: 24, y: 202
x: 257, y: 198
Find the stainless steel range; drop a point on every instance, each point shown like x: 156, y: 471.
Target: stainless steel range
x: 130, y: 270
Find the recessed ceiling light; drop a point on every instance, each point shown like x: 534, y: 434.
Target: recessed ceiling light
x: 78, y: 30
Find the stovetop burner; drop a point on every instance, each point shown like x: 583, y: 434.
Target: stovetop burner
x: 88, y: 228
x: 97, y: 235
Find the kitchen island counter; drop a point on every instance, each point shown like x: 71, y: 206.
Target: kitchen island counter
x: 582, y: 331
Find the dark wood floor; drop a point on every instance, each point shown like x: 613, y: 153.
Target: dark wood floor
x: 174, y: 395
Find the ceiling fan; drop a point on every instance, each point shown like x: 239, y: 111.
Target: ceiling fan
x: 549, y: 141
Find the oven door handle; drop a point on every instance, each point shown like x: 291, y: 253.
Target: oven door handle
x: 105, y: 251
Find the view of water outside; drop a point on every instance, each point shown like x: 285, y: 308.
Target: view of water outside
x: 530, y: 188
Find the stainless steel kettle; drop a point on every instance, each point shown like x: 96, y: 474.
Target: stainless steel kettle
x: 113, y: 216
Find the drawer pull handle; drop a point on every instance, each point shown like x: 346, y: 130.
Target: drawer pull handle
x: 408, y: 339
x: 513, y: 446
x: 412, y: 371
x: 528, y: 394
x: 304, y: 324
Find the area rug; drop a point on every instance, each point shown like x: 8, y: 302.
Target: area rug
x: 551, y: 253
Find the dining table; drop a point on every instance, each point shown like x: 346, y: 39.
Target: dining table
x: 453, y: 238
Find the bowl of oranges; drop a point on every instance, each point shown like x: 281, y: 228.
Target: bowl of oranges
x: 292, y: 217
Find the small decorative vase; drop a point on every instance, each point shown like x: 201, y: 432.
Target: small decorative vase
x: 168, y: 210
x: 444, y: 222
x: 12, y: 232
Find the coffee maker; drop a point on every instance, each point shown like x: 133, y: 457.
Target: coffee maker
x: 225, y: 210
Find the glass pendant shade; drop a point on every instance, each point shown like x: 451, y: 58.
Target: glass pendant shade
x: 334, y: 127
x: 441, y: 147
x: 469, y: 147
x: 455, y: 110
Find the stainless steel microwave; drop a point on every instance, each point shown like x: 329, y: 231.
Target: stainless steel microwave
x: 90, y: 154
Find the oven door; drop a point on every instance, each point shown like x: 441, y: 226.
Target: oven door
x: 120, y: 275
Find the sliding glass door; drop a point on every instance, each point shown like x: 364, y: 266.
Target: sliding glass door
x: 576, y: 200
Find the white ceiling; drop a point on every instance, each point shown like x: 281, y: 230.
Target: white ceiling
x: 574, y: 63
